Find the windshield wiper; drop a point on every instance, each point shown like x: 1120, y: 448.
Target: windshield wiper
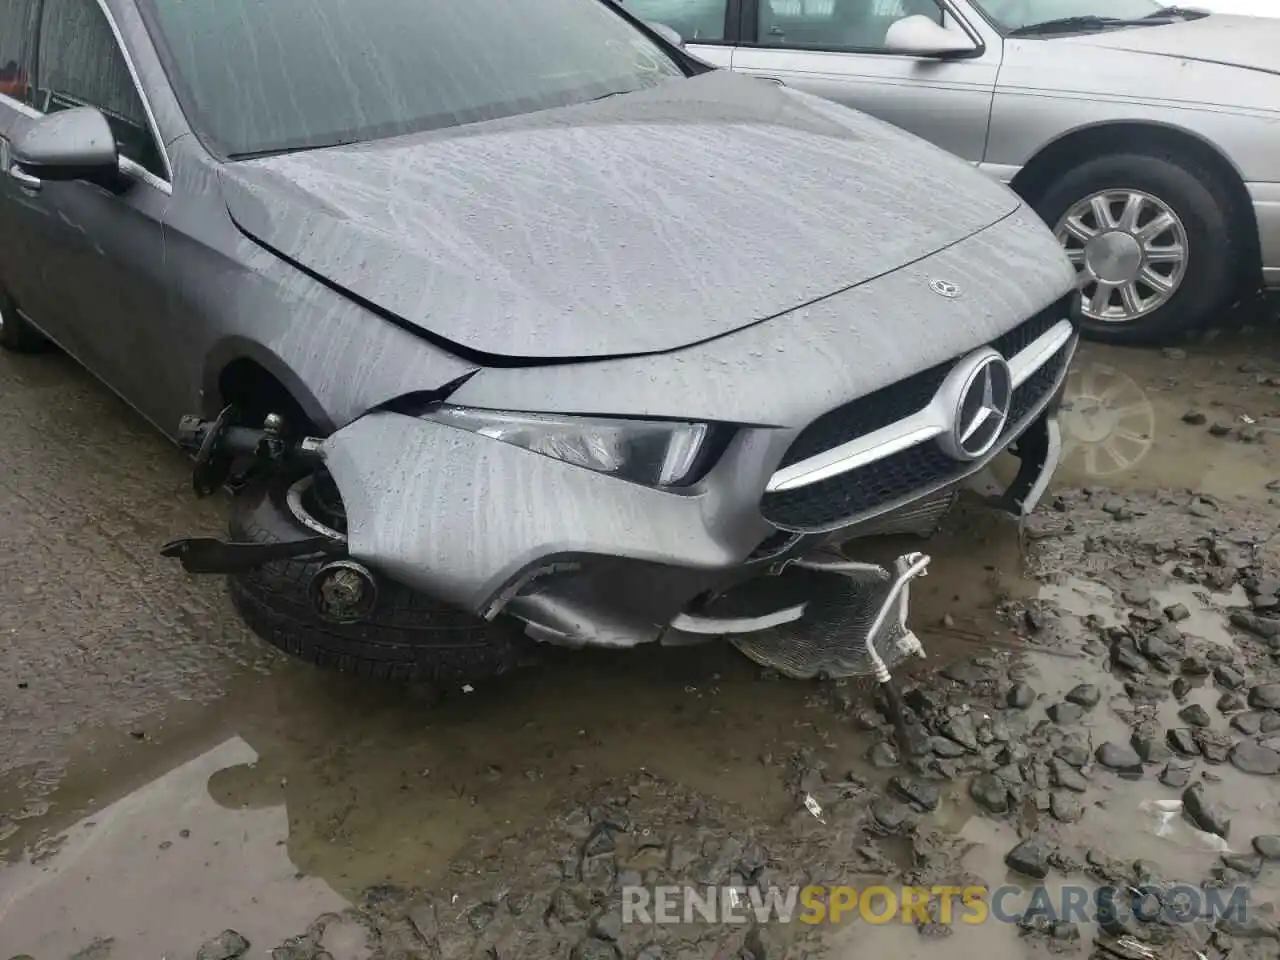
x: 1182, y: 13
x: 281, y: 151
x: 1069, y: 25
x: 1093, y: 22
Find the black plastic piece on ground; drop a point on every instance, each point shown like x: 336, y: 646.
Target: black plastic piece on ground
x: 210, y: 555
x: 1032, y: 452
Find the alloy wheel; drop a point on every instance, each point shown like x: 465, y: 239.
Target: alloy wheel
x: 1130, y: 252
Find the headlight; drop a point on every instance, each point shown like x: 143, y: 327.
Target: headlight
x: 653, y: 452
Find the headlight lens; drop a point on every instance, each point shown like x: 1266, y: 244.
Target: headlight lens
x: 653, y: 452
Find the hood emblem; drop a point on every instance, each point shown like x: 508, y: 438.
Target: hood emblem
x: 980, y: 392
x: 945, y: 288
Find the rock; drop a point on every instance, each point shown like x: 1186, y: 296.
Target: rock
x: 1030, y: 857
x: 891, y: 814
x: 228, y: 945
x: 1265, y: 696
x: 1074, y: 753
x: 1250, y: 724
x: 1194, y: 667
x: 1182, y: 742
x: 1247, y: 928
x: 1266, y: 603
x: 1203, y: 813
x: 480, y: 916
x: 1229, y: 677
x: 1230, y: 702
x: 1195, y: 418
x: 883, y: 754
x: 1020, y: 696
x: 593, y: 948
x: 1067, y: 776
x: 1180, y: 687
x: 923, y: 795
x: 990, y: 792
x: 1267, y: 845
x: 1203, y: 508
x: 1177, y: 612
x: 1214, y: 746
x: 1173, y: 353
x: 1065, y: 713
x: 1176, y: 775
x: 1116, y: 756
x: 1149, y: 749
x: 608, y: 926
x: 1085, y: 695
x: 961, y: 730
x: 966, y: 672
x: 1254, y: 758
x: 1195, y: 715
x: 1270, y: 722
x: 1065, y: 806
x: 943, y: 747
x: 1250, y: 864
x: 1268, y: 628
x: 1136, y: 594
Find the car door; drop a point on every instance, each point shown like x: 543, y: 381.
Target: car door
x: 17, y: 40
x: 837, y: 50
x: 90, y: 269
x: 706, y: 26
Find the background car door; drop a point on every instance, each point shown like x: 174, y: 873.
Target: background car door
x: 90, y: 270
x: 836, y: 49
x: 704, y: 25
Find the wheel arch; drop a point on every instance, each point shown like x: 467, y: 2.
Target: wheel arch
x: 1154, y: 138
x: 257, y: 381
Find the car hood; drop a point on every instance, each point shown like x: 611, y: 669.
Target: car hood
x: 1249, y: 42
x: 636, y: 224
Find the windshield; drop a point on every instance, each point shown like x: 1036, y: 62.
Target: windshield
x: 1016, y: 14
x: 263, y: 76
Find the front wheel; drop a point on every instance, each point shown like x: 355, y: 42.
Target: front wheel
x: 405, y: 636
x: 1152, y: 242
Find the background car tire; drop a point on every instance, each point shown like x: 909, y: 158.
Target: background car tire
x: 1205, y: 211
x: 15, y: 333
x: 407, y: 636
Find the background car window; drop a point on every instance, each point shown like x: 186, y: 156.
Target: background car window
x: 15, y: 37
x: 80, y: 64
x: 836, y: 24
x: 694, y: 20
x: 272, y: 75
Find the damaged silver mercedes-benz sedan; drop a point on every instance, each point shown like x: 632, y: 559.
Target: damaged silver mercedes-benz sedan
x: 517, y: 312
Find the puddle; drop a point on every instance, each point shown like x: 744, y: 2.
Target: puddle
x: 162, y: 870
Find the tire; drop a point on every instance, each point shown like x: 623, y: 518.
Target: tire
x: 407, y: 636
x: 1198, y: 200
x: 16, y: 335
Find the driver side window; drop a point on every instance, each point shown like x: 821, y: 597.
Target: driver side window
x: 80, y: 64
x: 859, y: 25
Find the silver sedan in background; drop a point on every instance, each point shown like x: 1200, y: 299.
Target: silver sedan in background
x: 1146, y: 136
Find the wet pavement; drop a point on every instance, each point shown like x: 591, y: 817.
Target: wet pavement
x: 170, y: 787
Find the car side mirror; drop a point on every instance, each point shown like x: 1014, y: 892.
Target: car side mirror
x: 921, y: 37
x: 667, y: 33
x: 75, y: 144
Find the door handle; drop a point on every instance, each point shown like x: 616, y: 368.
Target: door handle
x: 27, y: 180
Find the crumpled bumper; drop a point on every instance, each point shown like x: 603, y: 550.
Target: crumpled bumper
x: 582, y: 558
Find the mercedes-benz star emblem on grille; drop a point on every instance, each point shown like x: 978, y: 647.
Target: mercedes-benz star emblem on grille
x: 944, y: 288
x: 982, y: 394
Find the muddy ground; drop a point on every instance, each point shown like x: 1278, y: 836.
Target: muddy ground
x: 171, y: 788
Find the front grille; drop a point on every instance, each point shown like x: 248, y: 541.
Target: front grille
x: 827, y: 503
x: 898, y: 400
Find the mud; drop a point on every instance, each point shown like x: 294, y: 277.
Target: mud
x: 171, y: 788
